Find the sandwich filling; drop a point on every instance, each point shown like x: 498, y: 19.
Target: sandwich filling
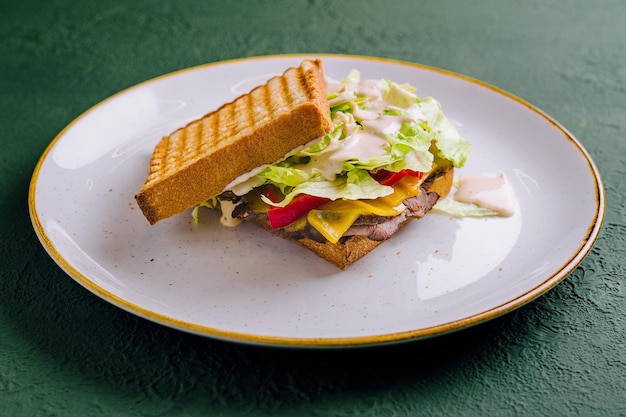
x: 386, y: 147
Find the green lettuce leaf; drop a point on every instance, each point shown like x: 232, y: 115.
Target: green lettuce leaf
x: 452, y: 146
x: 357, y: 184
x: 455, y: 208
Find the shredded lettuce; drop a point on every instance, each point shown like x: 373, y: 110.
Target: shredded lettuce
x: 451, y: 144
x: 354, y: 76
x: 378, y: 124
x: 400, y: 95
x: 357, y: 184
x: 455, y: 208
x: 212, y: 203
x: 284, y: 177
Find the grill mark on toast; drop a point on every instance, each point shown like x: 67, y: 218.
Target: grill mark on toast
x: 284, y: 91
x: 300, y: 84
x: 243, y: 113
x: 190, y: 144
x: 254, y: 113
x: 213, y: 126
x: 205, y: 133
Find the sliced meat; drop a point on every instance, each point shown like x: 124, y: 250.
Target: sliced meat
x: 376, y: 228
x: 381, y: 228
x: 377, y: 231
x: 421, y: 203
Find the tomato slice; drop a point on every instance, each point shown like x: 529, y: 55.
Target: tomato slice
x: 298, y: 207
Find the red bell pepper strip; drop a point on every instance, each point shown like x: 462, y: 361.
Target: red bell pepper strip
x: 298, y: 207
x: 390, y: 178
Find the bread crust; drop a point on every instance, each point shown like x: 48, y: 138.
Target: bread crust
x: 196, y: 162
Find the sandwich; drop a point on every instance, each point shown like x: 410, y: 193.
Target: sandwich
x: 336, y: 166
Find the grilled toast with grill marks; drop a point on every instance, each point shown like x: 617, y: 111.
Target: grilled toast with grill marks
x: 196, y: 162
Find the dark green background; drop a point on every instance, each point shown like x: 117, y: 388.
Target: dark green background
x: 65, y: 352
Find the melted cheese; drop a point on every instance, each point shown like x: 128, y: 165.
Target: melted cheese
x: 333, y: 219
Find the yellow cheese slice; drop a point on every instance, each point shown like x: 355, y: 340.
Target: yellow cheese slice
x: 333, y: 219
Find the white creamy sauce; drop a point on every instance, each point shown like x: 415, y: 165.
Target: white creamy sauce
x: 369, y: 88
x: 343, y: 96
x: 349, y: 127
x: 417, y: 113
x: 364, y: 114
x: 227, y: 219
x: 492, y: 192
x: 385, y: 124
x: 362, y: 145
x: 333, y: 86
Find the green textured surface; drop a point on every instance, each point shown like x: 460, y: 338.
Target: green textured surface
x: 65, y: 352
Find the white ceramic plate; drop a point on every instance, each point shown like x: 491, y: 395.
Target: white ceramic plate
x: 242, y: 284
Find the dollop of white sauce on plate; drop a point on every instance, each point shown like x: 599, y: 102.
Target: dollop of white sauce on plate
x: 491, y: 192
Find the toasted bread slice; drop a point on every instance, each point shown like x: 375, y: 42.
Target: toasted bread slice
x: 196, y: 162
x: 350, y: 249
